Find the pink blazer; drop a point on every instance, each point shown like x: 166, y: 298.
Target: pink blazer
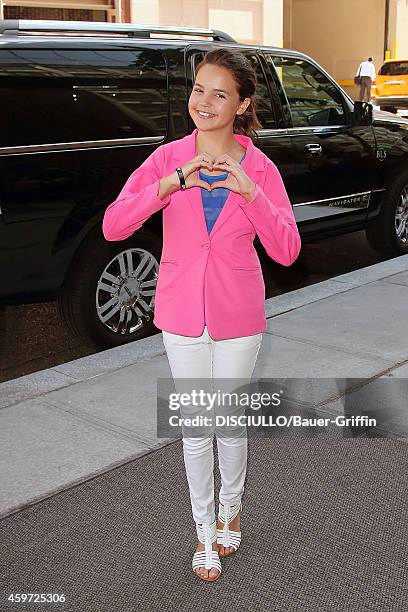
x: 209, y: 279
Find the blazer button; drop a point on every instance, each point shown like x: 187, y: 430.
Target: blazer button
x: 206, y: 246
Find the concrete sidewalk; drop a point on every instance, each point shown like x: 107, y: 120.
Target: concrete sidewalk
x: 64, y: 425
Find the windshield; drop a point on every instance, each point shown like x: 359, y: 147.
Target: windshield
x: 394, y: 68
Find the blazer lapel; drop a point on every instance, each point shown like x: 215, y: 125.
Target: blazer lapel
x: 252, y: 164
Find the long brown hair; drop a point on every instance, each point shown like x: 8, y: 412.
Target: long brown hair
x: 244, y: 75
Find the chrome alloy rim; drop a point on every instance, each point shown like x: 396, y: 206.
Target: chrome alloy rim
x: 125, y: 291
x: 401, y: 216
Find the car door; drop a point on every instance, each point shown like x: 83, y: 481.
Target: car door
x: 273, y: 139
x: 335, y: 159
x: 75, y: 123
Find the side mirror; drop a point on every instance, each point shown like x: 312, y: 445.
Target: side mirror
x: 363, y: 113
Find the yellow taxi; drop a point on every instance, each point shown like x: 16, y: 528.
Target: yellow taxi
x: 390, y: 88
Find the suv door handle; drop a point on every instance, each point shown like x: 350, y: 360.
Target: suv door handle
x: 313, y: 149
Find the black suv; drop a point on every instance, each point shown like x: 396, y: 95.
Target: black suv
x: 83, y: 104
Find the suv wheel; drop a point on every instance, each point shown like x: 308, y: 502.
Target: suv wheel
x: 388, y: 233
x: 107, y: 298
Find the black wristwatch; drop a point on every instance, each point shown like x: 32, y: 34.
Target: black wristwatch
x: 181, y: 178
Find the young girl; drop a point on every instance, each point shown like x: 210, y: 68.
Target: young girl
x: 216, y: 190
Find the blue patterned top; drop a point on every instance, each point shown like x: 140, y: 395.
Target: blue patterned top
x: 213, y: 201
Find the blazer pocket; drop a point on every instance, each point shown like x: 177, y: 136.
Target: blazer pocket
x: 168, y: 261
x: 252, y: 269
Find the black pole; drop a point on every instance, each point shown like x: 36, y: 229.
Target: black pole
x: 387, y: 17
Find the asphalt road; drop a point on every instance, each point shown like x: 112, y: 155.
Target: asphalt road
x: 33, y: 337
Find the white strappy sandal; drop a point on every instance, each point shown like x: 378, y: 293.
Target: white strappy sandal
x: 208, y: 558
x: 227, y: 537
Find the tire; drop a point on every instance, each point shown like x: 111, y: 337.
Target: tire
x: 382, y: 232
x: 95, y: 279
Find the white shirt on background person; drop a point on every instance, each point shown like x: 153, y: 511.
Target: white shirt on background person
x: 366, y: 69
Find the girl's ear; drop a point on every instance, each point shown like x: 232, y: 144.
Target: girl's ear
x: 243, y: 106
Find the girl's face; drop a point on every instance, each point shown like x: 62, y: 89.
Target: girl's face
x: 214, y: 101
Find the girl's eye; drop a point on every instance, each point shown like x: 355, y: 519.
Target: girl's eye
x: 200, y: 90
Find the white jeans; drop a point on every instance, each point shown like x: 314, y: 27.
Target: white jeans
x: 204, y: 358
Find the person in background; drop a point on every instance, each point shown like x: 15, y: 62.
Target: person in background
x: 367, y: 72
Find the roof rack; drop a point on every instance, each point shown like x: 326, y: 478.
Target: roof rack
x: 12, y: 27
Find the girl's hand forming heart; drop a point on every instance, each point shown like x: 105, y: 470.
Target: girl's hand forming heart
x: 237, y: 180
x: 190, y: 171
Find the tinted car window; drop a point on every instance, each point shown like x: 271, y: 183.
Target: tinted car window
x: 264, y: 109
x: 312, y: 98
x: 394, y: 68
x: 50, y: 96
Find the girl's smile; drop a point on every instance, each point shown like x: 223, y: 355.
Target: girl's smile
x: 205, y: 115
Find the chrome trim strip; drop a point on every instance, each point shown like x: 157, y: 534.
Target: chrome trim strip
x: 349, y: 195
x: 313, y: 129
x: 13, y: 26
x: 381, y: 189
x: 272, y: 131
x: 88, y: 144
x: 72, y: 146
